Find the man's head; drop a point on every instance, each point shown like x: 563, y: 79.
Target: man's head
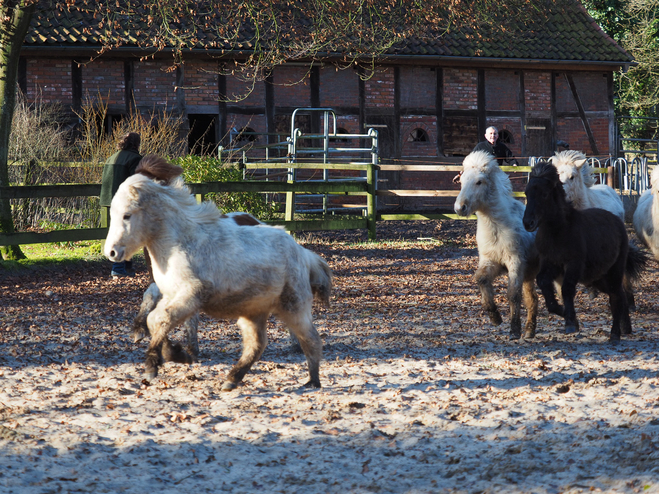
x: 492, y: 134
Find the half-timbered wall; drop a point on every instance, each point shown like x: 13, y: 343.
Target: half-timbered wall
x: 421, y: 112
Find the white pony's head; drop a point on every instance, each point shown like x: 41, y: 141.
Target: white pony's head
x: 128, y: 225
x: 574, y: 172
x: 483, y: 183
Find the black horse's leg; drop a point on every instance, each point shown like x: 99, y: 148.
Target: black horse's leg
x: 546, y: 276
x: 531, y: 303
x: 628, y: 287
x: 620, y: 312
x: 485, y: 274
x: 569, y: 290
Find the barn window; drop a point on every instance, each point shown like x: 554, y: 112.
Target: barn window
x: 506, y: 137
x: 340, y: 130
x: 418, y: 135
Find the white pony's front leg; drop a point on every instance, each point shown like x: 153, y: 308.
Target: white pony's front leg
x: 168, y: 314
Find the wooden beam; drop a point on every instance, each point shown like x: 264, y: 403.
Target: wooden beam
x: 582, y: 113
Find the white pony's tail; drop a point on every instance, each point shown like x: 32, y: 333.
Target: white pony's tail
x: 320, y: 277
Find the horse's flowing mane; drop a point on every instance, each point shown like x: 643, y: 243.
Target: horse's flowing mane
x: 486, y: 163
x: 179, y: 195
x: 578, y: 160
x: 158, y: 168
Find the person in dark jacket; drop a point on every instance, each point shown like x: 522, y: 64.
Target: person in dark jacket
x: 492, y: 145
x: 118, y: 168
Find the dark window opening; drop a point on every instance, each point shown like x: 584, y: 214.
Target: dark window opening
x: 418, y: 135
x: 242, y: 136
x: 340, y: 130
x: 202, y: 139
x: 506, y: 137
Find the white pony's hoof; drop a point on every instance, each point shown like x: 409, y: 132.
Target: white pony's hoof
x: 228, y: 386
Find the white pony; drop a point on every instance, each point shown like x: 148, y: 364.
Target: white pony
x: 503, y: 243
x: 579, y: 184
x: 152, y: 296
x: 646, y: 216
x: 201, y: 262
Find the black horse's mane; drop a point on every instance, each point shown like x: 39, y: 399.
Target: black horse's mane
x: 545, y: 169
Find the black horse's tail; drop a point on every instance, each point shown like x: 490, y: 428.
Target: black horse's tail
x: 637, y: 262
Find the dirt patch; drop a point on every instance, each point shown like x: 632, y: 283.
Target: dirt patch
x: 421, y: 394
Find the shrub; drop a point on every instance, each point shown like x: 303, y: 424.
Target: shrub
x: 207, y: 169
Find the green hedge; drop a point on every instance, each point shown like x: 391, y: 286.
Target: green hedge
x: 206, y: 169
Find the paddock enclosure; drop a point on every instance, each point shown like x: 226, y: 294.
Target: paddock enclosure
x: 421, y: 394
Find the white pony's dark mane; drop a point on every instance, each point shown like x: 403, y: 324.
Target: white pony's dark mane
x: 570, y: 158
x: 181, y: 198
x: 487, y: 164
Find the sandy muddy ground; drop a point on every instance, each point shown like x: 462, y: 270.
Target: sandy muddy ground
x: 420, y: 393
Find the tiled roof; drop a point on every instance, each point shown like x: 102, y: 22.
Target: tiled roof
x: 568, y: 34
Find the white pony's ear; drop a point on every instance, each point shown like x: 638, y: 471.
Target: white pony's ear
x: 580, y: 163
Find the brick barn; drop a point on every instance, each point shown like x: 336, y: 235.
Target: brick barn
x: 428, y: 100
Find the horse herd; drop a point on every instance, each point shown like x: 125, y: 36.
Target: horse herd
x: 232, y: 266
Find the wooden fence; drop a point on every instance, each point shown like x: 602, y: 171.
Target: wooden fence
x: 358, y: 187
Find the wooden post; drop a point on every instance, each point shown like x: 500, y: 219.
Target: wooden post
x: 609, y: 177
x: 370, y: 202
x: 105, y: 222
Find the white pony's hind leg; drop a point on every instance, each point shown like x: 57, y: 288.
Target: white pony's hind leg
x: 255, y: 338
x: 301, y: 325
x: 191, y: 341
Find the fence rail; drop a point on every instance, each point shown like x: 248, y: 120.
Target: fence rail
x: 358, y: 187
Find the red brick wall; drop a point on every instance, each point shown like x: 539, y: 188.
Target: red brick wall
x: 380, y: 89
x: 564, y: 99
x: 460, y: 89
x: 338, y: 87
x: 49, y: 80
x: 154, y: 84
x: 200, y: 84
x: 592, y: 90
x: 291, y: 87
x: 573, y: 131
x: 418, y: 87
x: 242, y: 93
x: 537, y: 92
x: 501, y: 90
x: 105, y: 80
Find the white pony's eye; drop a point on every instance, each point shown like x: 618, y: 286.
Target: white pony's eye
x: 479, y: 182
x: 126, y: 217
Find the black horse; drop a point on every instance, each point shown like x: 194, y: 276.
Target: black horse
x: 588, y: 246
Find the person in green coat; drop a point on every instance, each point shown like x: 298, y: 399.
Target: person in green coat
x: 118, y: 168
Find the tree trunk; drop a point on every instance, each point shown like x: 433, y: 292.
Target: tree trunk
x: 16, y: 16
